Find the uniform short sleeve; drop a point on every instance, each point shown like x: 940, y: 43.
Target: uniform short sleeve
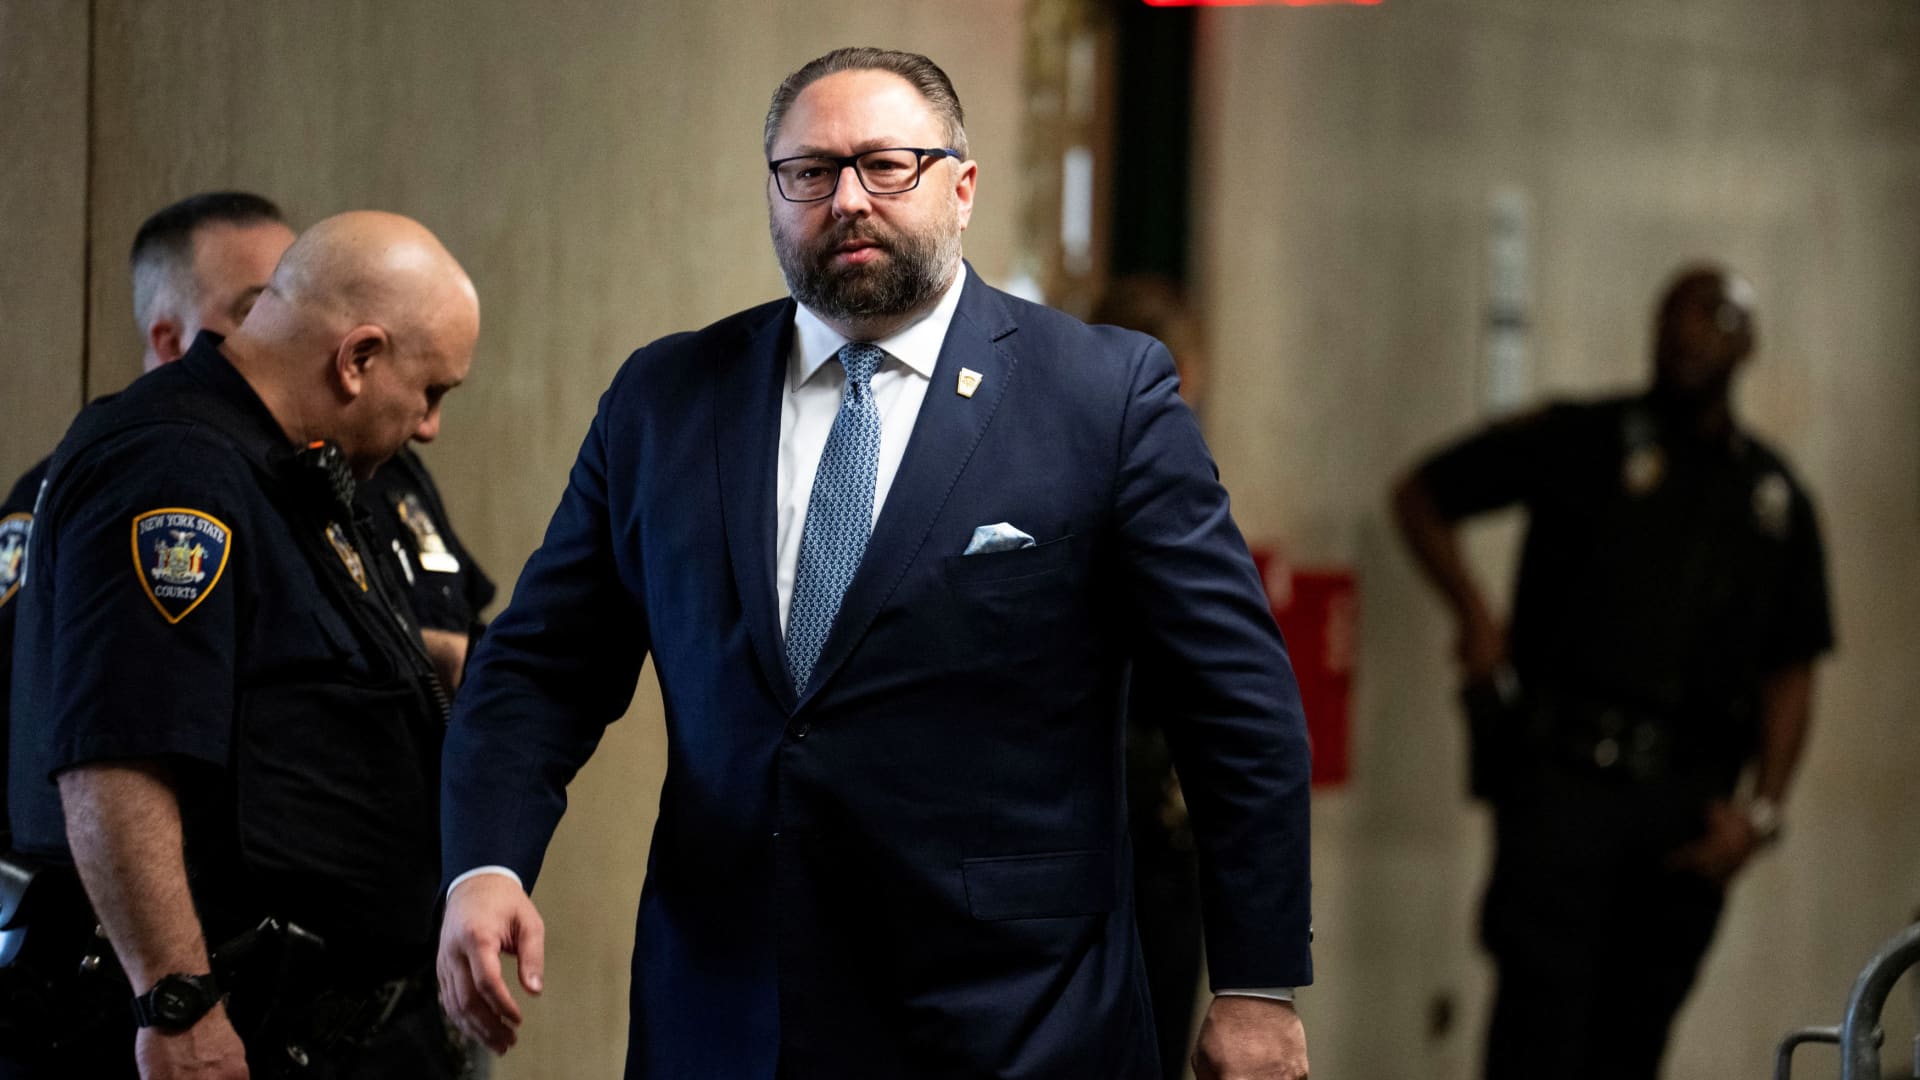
x: 1504, y: 463
x: 149, y: 541
x: 1804, y: 629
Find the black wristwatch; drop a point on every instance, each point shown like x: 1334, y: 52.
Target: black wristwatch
x: 176, y: 1002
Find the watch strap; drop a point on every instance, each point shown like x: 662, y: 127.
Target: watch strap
x: 176, y: 1002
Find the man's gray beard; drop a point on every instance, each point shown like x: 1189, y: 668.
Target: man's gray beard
x: 911, y: 275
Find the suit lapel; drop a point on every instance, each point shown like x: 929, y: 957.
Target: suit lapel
x: 944, y: 437
x: 746, y: 429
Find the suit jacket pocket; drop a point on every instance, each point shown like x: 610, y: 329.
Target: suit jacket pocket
x: 1010, y: 565
x: 1045, y: 886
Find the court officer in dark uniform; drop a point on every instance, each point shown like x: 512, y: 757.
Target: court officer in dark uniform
x: 1670, y: 606
x: 240, y: 718
x: 198, y: 264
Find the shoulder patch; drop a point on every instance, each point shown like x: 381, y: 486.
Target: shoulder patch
x: 14, y: 530
x: 179, y: 554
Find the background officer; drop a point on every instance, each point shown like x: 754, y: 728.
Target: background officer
x: 1670, y: 604
x: 241, y: 720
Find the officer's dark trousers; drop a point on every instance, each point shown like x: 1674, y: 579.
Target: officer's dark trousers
x: 414, y: 1045
x: 113, y: 1061
x: 1596, y: 941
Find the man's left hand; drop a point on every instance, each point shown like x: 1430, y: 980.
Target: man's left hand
x: 1250, y: 1038
x: 1723, y: 849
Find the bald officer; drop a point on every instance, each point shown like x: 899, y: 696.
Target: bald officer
x: 241, y: 720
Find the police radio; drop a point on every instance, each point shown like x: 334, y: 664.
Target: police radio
x: 322, y: 472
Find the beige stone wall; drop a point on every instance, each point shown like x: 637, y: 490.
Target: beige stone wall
x: 43, y: 193
x: 1347, y: 159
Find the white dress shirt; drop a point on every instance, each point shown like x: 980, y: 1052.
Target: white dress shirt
x: 815, y: 383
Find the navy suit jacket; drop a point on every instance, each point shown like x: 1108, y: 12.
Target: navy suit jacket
x: 916, y: 865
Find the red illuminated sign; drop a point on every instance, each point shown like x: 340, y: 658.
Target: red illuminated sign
x: 1260, y: 3
x: 1318, y: 613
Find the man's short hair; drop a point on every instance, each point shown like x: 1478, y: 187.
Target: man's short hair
x: 924, y: 74
x: 162, y: 253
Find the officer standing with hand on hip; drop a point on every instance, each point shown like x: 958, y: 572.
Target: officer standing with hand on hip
x: 1671, y: 603
x: 240, y: 721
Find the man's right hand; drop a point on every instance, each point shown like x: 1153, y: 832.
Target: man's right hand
x: 487, y: 915
x: 209, y: 1050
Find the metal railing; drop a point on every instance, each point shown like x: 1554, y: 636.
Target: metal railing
x: 1859, y: 1035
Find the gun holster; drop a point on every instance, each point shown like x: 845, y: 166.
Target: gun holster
x: 16, y: 880
x: 32, y: 895
x: 59, y: 982
x: 1497, y: 721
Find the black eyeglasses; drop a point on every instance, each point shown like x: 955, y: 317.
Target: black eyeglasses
x: 892, y: 170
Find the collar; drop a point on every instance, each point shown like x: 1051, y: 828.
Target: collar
x: 916, y: 345
x: 1655, y: 420
x: 209, y: 365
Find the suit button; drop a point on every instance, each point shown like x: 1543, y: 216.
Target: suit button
x: 799, y: 730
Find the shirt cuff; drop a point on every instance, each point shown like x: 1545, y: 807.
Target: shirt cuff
x: 478, y: 870
x: 1271, y: 993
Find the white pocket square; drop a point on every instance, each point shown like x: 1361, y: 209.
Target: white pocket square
x: 988, y: 539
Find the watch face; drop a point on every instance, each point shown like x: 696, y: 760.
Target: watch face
x: 172, y: 1004
x: 178, y: 1001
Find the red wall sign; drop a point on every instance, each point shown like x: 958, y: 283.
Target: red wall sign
x: 1318, y: 610
x: 1259, y: 3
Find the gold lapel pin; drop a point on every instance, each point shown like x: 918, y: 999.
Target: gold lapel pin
x: 969, y: 381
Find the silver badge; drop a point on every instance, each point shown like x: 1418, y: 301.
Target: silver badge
x: 1773, y: 505
x: 1645, y: 467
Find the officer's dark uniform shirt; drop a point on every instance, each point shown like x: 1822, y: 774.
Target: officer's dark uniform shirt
x: 409, y: 526
x: 1661, y: 573
x: 16, y: 524
x: 193, y: 593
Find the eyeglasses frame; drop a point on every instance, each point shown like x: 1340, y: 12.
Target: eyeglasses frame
x: 921, y: 156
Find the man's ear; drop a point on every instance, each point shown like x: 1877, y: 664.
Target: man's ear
x: 963, y: 191
x: 163, y: 341
x: 361, y: 348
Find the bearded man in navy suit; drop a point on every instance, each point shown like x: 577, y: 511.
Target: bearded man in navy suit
x: 894, y: 544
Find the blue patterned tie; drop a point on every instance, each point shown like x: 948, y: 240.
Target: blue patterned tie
x: 839, y: 515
